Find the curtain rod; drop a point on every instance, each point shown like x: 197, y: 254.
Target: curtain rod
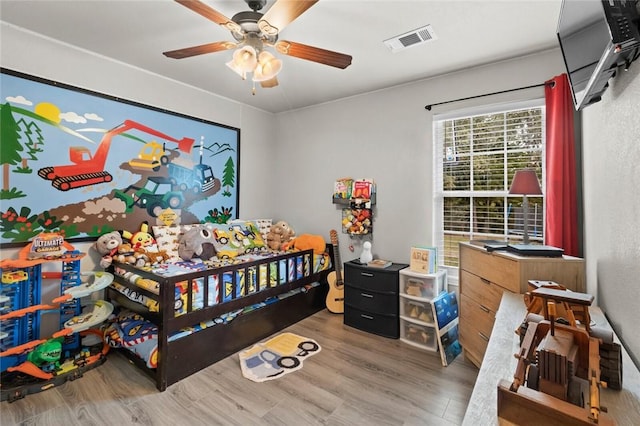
x: 428, y: 107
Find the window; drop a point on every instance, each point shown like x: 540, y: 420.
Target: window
x: 476, y: 156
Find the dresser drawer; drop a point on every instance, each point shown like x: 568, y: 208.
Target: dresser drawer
x: 371, y: 301
x: 370, y: 279
x: 482, y: 291
x: 492, y: 267
x: 473, y: 341
x: 479, y: 316
x: 383, y: 325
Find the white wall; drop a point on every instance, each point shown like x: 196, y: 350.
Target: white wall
x: 612, y: 206
x: 387, y: 136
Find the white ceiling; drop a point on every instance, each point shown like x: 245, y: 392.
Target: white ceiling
x: 469, y: 33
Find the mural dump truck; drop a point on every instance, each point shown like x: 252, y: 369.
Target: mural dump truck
x: 198, y: 177
x: 88, y: 169
x: 155, y: 196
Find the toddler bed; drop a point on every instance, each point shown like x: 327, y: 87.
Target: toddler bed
x: 202, y: 313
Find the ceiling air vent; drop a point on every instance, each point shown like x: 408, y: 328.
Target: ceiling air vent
x: 410, y: 39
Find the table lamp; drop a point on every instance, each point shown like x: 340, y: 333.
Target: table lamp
x: 525, y: 182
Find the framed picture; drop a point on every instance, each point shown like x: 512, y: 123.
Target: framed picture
x: 82, y: 163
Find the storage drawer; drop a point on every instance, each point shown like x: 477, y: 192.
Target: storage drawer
x: 498, y: 269
x: 369, y: 279
x: 417, y: 310
x: 418, y: 335
x: 481, y: 317
x: 366, y: 300
x: 428, y: 286
x: 383, y: 325
x: 480, y: 290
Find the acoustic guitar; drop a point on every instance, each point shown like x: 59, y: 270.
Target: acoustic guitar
x: 335, y: 297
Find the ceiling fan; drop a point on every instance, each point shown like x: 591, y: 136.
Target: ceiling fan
x: 253, y: 31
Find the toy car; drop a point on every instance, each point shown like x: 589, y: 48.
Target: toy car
x: 14, y: 277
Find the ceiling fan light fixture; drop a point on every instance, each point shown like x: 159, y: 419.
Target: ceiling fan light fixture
x: 231, y: 64
x: 245, y: 58
x: 267, y: 68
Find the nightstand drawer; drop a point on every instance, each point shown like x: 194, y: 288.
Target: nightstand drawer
x: 383, y: 325
x: 382, y: 280
x: 482, y: 291
x: 366, y: 300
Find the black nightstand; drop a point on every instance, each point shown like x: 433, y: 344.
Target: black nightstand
x: 371, y: 298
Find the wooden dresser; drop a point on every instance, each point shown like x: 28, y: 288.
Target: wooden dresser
x: 485, y: 276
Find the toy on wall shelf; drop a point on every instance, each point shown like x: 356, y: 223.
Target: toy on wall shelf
x: 357, y: 221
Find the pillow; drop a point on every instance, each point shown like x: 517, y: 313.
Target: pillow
x: 263, y: 225
x: 168, y: 238
x: 224, y: 242
x: 248, y: 237
x: 238, y: 238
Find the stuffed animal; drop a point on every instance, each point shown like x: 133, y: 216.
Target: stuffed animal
x: 305, y: 242
x: 197, y: 242
x: 280, y: 233
x: 107, y: 246
x: 141, y: 238
x: 126, y: 254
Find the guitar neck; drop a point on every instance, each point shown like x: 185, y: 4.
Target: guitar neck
x: 338, y: 264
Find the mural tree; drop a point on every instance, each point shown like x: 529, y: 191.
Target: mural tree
x: 34, y: 141
x: 10, y: 148
x: 228, y: 177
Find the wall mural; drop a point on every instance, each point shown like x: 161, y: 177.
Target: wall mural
x: 82, y: 163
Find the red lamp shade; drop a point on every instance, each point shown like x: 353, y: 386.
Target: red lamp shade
x: 525, y: 182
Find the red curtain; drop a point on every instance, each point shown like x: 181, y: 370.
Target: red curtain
x: 561, y: 209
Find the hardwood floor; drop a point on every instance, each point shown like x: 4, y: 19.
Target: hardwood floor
x: 356, y: 379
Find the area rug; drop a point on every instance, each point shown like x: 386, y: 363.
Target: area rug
x: 276, y: 357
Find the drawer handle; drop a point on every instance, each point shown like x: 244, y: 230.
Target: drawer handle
x: 483, y: 336
x: 366, y: 274
x: 484, y: 308
x: 369, y: 317
x: 486, y: 281
x: 370, y: 296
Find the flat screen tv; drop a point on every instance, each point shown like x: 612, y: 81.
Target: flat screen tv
x: 596, y: 38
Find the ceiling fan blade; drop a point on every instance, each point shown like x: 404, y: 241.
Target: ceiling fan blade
x: 209, y: 13
x: 199, y: 50
x: 273, y: 82
x: 315, y: 54
x: 282, y: 13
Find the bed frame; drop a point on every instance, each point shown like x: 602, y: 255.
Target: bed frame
x: 182, y: 357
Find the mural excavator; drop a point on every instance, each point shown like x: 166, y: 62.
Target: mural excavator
x: 89, y: 169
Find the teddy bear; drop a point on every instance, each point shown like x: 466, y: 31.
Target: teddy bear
x: 107, y: 246
x: 280, y: 233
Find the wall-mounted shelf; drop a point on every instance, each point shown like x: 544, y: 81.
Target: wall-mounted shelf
x: 356, y: 203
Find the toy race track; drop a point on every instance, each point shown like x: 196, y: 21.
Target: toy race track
x: 17, y: 384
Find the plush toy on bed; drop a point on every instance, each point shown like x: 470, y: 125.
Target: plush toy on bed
x: 107, y: 246
x: 196, y: 243
x: 280, y: 233
x: 305, y: 242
